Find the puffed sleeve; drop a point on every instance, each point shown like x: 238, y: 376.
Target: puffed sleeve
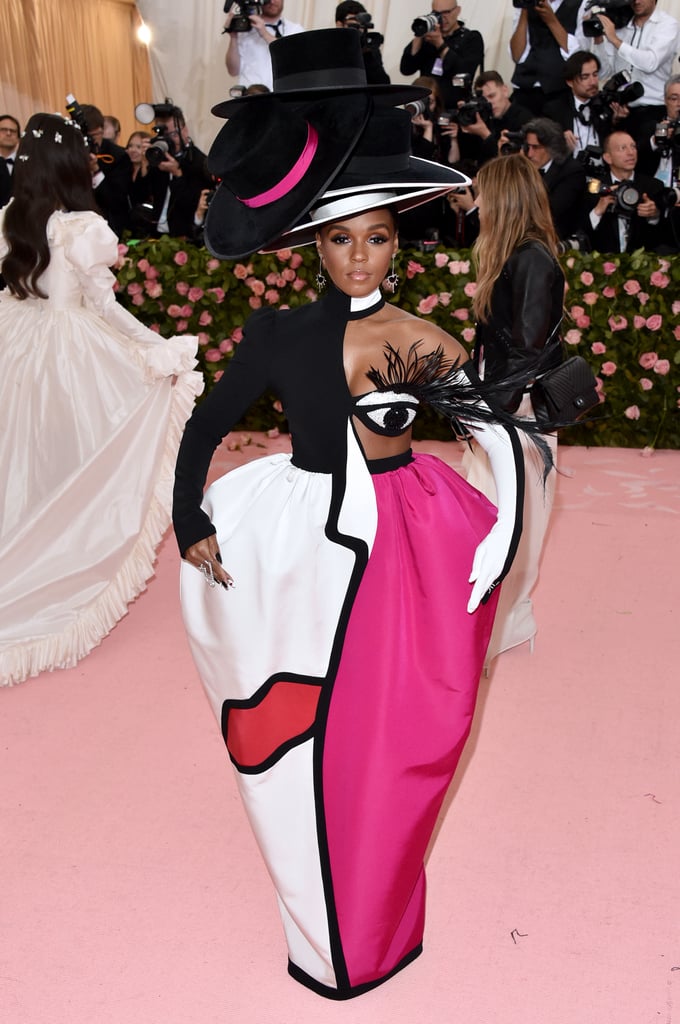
x: 245, y: 379
x: 92, y: 249
x: 4, y: 248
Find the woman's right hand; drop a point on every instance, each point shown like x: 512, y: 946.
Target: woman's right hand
x: 205, y: 556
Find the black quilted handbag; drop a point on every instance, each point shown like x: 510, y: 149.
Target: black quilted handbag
x: 560, y: 396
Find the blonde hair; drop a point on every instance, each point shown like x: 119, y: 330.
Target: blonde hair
x: 516, y: 210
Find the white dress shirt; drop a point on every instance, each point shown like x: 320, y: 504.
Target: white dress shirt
x: 256, y: 65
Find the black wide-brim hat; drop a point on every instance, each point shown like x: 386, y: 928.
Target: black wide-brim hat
x: 380, y: 172
x: 274, y: 161
x: 321, y: 64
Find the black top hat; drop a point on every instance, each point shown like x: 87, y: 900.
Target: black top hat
x: 321, y: 64
x: 274, y: 162
x: 380, y: 172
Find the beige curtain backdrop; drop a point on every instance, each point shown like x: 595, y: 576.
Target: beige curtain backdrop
x: 85, y: 47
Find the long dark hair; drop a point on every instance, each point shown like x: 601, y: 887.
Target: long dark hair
x: 51, y: 172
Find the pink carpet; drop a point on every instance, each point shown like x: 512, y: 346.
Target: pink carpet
x: 133, y: 893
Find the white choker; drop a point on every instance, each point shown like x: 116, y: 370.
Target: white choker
x: 357, y: 305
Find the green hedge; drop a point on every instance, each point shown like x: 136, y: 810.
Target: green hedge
x: 623, y: 317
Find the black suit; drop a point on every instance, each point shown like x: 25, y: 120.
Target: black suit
x: 185, y: 192
x: 111, y: 193
x: 565, y: 184
x: 5, y: 183
x: 606, y: 236
x: 562, y: 109
x: 464, y: 55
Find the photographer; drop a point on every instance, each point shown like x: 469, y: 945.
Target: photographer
x: 624, y: 215
x: 586, y: 114
x: 563, y: 176
x: 110, y: 168
x: 352, y: 14
x: 498, y: 113
x: 659, y: 151
x: 247, y: 57
x: 543, y: 37
x: 645, y: 47
x: 447, y: 49
x: 185, y: 171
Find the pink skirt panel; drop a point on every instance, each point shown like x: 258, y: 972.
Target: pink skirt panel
x: 401, y: 707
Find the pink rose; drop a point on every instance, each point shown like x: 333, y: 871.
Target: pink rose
x: 256, y: 287
x: 203, y: 338
x: 643, y: 298
x: 298, y: 284
x: 455, y: 267
x: 570, y: 262
x: 212, y: 355
x: 271, y: 296
x: 461, y: 314
x: 181, y: 326
x: 638, y: 322
x: 444, y: 298
x: 311, y: 295
x: 182, y: 287
x: 180, y: 258
x: 676, y: 307
x: 134, y: 288
x: 276, y: 405
x: 226, y: 345
x: 288, y: 274
x: 631, y: 287
x: 284, y: 255
x: 647, y: 360
x: 273, y: 433
x: 153, y: 288
x: 295, y: 260
x: 587, y: 278
x: 598, y: 348
x: 155, y: 328
x: 654, y: 321
x: 662, y: 367
x: 608, y: 369
x: 664, y: 265
x: 590, y: 298
x: 583, y: 322
x: 577, y: 311
x: 205, y: 319
x: 212, y: 265
x: 122, y: 249
x: 143, y: 265
x: 219, y: 294
x: 646, y: 384
x: 676, y: 333
x: 469, y: 334
x: 572, y: 337
x: 152, y: 272
x: 413, y: 268
x: 254, y: 302
x: 470, y: 289
x: 659, y: 279
x: 440, y: 259
x: 608, y: 291
x: 240, y: 272
x: 271, y: 278
x: 138, y: 300
x: 174, y: 310
x: 426, y: 305
x: 116, y: 286
x: 280, y: 282
x: 608, y: 268
x: 237, y: 334
x: 632, y: 412
x: 195, y: 294
x: 187, y: 309
x: 617, y: 323
x: 218, y: 375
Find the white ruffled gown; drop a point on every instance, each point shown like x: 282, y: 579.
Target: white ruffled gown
x: 93, y: 407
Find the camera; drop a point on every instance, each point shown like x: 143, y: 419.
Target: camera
x: 77, y: 115
x: 666, y: 136
x: 579, y: 241
x: 361, y: 21
x: 466, y: 114
x: 620, y: 89
x: 427, y: 23
x: 416, y: 107
x: 514, y: 142
x: 446, y: 118
x: 667, y: 199
x: 243, y: 9
x: 161, y: 147
x: 526, y: 4
x: 618, y: 11
x: 591, y: 158
x: 626, y: 196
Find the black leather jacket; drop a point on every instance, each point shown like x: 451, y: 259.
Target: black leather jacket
x: 526, y: 308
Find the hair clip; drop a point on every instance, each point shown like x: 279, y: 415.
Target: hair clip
x: 23, y: 135
x: 36, y: 133
x: 57, y: 137
x: 23, y: 156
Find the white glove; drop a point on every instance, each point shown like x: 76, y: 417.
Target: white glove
x: 495, y: 553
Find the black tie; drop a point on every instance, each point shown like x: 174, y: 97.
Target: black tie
x: 583, y: 113
x: 9, y: 160
x: 276, y: 29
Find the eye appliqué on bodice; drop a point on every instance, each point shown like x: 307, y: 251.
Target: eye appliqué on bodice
x: 388, y: 412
